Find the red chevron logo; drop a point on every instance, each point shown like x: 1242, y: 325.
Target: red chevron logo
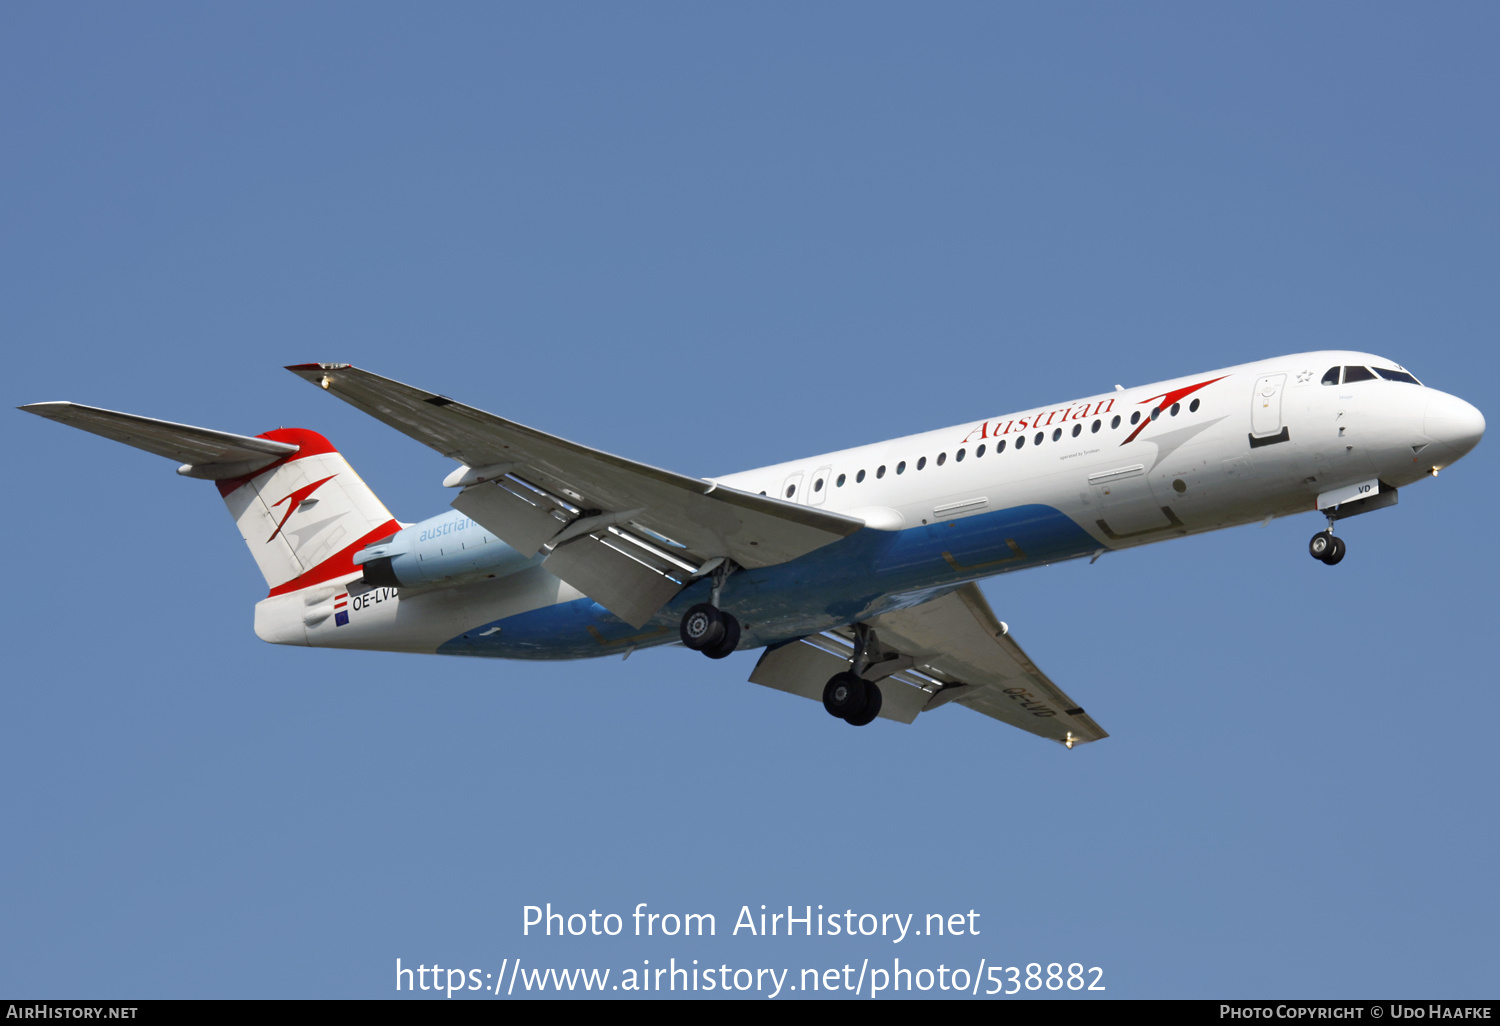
x: 1165, y: 401
x: 294, y: 500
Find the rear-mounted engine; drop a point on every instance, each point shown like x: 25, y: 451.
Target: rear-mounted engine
x: 448, y: 549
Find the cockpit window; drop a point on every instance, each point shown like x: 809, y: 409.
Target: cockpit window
x: 1332, y: 377
x: 1357, y: 374
x: 1395, y: 375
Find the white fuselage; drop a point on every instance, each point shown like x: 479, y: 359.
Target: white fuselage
x: 1083, y: 465
x: 1109, y: 471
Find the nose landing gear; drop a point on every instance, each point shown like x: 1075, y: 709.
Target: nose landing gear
x: 1326, y: 547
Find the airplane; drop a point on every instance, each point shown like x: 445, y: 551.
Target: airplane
x: 854, y: 570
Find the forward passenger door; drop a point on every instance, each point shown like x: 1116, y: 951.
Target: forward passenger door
x: 1265, y: 406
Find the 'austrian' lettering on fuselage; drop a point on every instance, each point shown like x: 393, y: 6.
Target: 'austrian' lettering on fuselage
x: 1081, y: 411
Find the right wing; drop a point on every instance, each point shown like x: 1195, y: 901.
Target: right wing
x: 946, y: 649
x: 626, y: 534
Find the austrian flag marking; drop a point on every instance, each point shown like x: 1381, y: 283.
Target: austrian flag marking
x: 341, y: 609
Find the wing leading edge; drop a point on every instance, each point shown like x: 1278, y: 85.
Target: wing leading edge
x: 626, y: 534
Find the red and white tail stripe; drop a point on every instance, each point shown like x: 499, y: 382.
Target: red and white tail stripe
x: 306, y: 515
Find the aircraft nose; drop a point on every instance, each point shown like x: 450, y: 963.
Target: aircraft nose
x: 1453, y: 423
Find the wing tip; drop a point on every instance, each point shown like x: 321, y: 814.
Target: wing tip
x: 296, y: 368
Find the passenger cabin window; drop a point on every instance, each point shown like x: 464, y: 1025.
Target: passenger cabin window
x: 979, y: 451
x: 841, y: 481
x: 1395, y: 375
x: 1332, y: 377
x: 901, y: 467
x: 958, y: 457
x: 859, y: 478
x: 880, y: 472
x: 999, y: 447
x: 942, y: 458
x: 921, y: 462
x: 1357, y: 374
x: 1056, y: 433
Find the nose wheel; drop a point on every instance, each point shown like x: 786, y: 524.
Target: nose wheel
x: 1327, y: 548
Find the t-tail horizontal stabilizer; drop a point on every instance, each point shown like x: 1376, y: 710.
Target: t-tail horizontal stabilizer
x: 203, y: 452
x: 301, y: 509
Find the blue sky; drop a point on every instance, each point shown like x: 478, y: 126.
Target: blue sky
x: 713, y: 237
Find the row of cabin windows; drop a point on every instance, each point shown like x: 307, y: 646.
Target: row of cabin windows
x: 1353, y: 374
x: 1037, y: 439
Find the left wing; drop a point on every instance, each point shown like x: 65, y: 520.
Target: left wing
x: 626, y: 534
x: 946, y: 649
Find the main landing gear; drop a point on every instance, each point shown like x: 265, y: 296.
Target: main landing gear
x: 708, y: 629
x: 851, y: 698
x: 847, y: 695
x: 1324, y: 546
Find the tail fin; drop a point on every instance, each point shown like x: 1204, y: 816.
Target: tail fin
x: 306, y: 514
x: 300, y: 507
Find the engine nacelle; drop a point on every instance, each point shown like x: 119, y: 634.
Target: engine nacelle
x: 447, y: 549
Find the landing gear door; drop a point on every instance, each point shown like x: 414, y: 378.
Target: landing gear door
x: 1265, y: 407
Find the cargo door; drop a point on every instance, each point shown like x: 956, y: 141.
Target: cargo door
x: 1127, y: 509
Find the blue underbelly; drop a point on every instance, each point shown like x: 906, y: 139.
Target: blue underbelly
x: 851, y: 579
